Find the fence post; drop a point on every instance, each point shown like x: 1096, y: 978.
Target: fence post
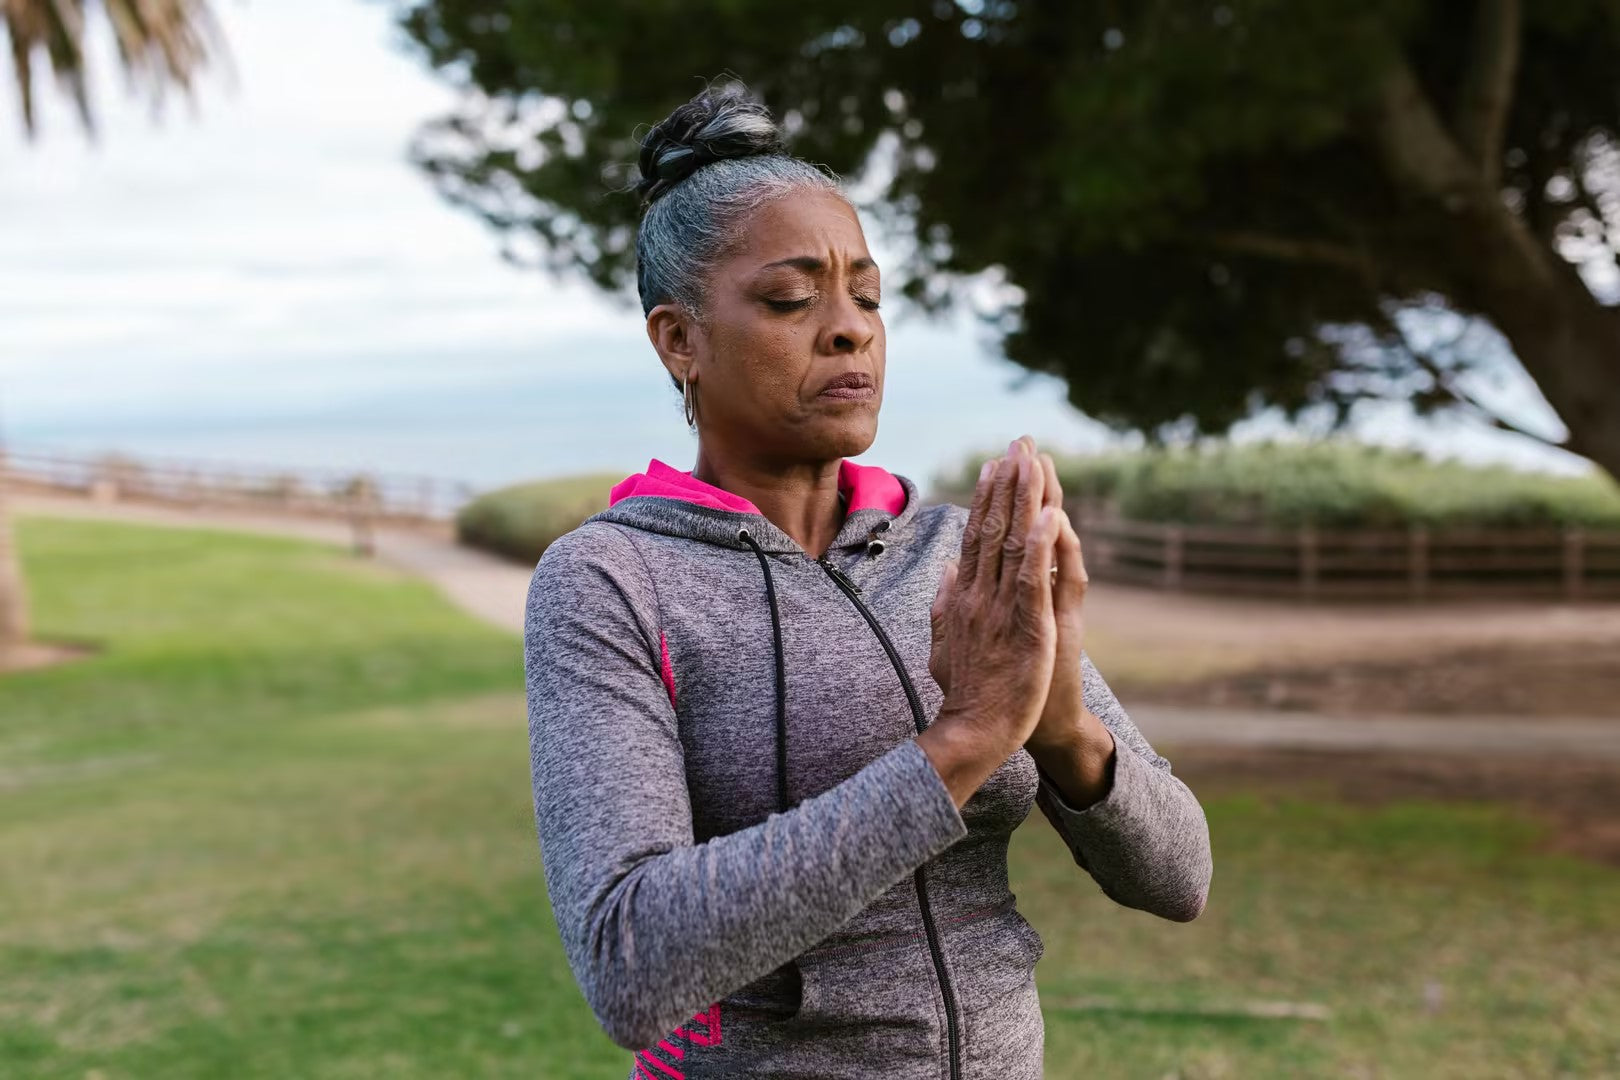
x: 1417, y: 561
x: 1309, y: 562
x: 1173, y: 549
x: 1574, y: 563
x: 362, y: 509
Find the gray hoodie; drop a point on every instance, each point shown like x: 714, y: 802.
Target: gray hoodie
x: 755, y: 870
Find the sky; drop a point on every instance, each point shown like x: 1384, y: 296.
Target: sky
x: 259, y: 276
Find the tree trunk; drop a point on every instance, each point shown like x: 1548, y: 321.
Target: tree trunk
x: 1572, y: 351
x: 1496, y: 266
x: 1567, y: 341
x: 13, y: 598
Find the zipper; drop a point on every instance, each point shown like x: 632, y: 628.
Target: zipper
x: 840, y: 577
x: 852, y: 590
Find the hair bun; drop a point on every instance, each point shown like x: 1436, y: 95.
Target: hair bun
x: 716, y: 125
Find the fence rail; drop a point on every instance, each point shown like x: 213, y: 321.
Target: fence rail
x: 370, y: 496
x: 1416, y: 563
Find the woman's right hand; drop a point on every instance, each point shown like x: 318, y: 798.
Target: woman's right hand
x: 995, y: 630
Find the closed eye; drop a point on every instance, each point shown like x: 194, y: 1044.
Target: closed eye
x: 866, y: 302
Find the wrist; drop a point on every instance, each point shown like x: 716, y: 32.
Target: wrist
x: 1077, y: 758
x: 1060, y: 734
x: 962, y: 752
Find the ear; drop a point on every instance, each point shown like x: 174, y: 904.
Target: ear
x: 674, y: 335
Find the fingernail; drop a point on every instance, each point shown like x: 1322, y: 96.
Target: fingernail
x: 984, y: 470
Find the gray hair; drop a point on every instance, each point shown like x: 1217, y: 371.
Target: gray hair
x: 704, y: 169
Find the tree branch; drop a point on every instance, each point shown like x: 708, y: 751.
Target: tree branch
x: 1291, y: 249
x: 1446, y: 382
x: 1414, y: 145
x: 1418, y: 153
x: 1487, y: 90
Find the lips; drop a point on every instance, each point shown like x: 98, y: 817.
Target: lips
x: 850, y: 382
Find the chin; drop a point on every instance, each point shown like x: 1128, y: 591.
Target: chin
x: 849, y: 437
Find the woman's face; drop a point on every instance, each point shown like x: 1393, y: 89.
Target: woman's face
x: 793, y: 308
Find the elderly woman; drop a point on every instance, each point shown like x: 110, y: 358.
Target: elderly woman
x: 783, y: 717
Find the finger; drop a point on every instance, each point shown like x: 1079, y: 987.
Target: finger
x: 1071, y: 581
x: 970, y: 533
x: 1026, y: 443
x: 993, y: 527
x: 1026, y: 504
x: 1034, y: 593
x: 1052, y: 493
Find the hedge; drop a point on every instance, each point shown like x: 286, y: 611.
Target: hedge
x: 520, y: 521
x: 1330, y: 483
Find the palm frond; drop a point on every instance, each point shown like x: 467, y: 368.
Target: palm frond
x: 161, y: 44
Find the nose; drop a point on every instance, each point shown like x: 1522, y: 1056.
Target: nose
x: 849, y: 327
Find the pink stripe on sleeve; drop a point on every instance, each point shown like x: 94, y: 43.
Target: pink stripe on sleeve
x: 668, y: 672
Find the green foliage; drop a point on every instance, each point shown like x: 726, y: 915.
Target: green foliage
x: 1185, y: 193
x: 1331, y: 484
x: 520, y: 521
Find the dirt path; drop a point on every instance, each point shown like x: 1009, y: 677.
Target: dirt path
x: 1143, y: 629
x: 1151, y: 636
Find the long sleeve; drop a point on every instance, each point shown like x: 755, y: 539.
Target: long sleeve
x: 1146, y: 842
x: 654, y: 926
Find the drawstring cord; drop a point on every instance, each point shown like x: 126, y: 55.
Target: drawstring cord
x: 781, y: 671
x: 874, y: 546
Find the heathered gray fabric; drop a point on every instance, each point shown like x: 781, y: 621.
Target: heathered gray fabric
x: 721, y: 937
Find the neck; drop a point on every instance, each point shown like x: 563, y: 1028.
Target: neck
x: 800, y: 498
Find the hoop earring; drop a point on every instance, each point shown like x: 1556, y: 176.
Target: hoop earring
x: 688, y: 402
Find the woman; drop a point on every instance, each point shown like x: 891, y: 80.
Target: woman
x: 783, y: 718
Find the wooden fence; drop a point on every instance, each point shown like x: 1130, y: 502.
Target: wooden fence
x: 1308, y: 563
x: 367, y: 496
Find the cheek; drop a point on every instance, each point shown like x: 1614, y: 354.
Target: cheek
x: 772, y: 357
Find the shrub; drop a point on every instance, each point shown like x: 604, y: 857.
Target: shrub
x: 520, y: 521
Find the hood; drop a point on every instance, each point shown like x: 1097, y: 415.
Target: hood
x: 672, y: 501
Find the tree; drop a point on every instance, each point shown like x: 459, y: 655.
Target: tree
x: 160, y: 42
x: 1205, y: 208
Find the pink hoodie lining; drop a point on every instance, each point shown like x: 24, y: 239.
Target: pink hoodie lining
x: 864, y: 485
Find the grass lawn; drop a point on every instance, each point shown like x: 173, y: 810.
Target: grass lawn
x: 280, y: 826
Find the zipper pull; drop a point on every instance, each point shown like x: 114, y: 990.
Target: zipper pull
x: 838, y: 574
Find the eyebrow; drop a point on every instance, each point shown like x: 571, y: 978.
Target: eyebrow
x: 811, y: 264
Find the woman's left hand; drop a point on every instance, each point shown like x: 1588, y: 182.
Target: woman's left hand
x: 1061, y: 722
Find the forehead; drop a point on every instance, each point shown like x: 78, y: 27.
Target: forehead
x: 806, y: 222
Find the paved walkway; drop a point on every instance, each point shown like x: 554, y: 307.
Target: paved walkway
x: 1561, y: 737
x: 495, y: 590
